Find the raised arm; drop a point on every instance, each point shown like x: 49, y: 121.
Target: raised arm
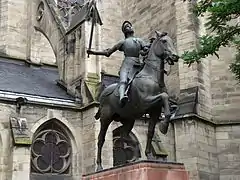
x: 107, y: 52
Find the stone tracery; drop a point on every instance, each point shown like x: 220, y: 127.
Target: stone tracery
x: 51, y: 153
x: 125, y: 150
x: 68, y: 8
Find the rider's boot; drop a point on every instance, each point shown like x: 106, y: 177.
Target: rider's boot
x: 123, y: 96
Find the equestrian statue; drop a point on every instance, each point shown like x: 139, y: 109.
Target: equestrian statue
x: 141, y: 89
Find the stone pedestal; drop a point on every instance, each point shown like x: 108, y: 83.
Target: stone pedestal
x: 142, y: 170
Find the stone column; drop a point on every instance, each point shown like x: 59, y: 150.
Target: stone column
x: 29, y: 28
x: 188, y: 30
x: 186, y: 40
x: 3, y: 25
x: 21, y: 163
x: 109, y: 34
x: 5, y: 151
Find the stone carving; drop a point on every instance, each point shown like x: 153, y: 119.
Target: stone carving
x: 20, y: 101
x: 40, y: 11
x: 87, y: 12
x: 20, y: 131
x: 51, y: 153
x: 69, y: 8
x: 141, y: 90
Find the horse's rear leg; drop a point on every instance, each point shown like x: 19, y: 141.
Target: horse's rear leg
x: 125, y: 131
x: 127, y: 127
x: 151, y: 130
x: 105, y: 122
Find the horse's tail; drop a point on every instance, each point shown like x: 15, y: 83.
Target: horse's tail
x: 98, y: 114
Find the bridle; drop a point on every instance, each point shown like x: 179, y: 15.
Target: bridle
x: 165, y: 55
x: 148, y: 62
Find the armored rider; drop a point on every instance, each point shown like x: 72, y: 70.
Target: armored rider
x: 131, y: 47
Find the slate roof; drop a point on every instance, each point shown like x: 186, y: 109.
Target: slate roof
x: 17, y: 77
x: 108, y: 79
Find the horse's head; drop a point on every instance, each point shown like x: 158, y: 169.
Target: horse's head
x: 164, y: 48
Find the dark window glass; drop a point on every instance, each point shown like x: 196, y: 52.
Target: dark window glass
x: 51, y: 152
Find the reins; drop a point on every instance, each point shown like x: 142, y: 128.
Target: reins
x: 155, y: 67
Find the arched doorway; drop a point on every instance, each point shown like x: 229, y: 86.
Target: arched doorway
x: 51, y: 153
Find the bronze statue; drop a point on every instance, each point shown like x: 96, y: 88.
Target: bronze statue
x: 147, y: 91
x: 131, y: 46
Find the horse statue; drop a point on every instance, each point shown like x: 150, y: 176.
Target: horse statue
x: 147, y: 95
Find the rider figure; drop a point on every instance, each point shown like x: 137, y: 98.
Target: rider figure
x: 131, y: 47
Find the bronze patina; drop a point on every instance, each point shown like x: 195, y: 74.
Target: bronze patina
x: 141, y: 88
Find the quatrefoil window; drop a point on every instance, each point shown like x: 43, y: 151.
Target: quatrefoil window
x: 51, y: 152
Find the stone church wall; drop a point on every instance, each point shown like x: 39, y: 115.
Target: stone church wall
x: 17, y: 28
x: 196, y: 148
x: 225, y: 88
x: 3, y: 25
x: 15, y: 160
x: 228, y: 140
x: 6, y: 155
x: 41, y: 50
x: 208, y: 150
x: 82, y: 130
x: 110, y: 33
x: 18, y: 38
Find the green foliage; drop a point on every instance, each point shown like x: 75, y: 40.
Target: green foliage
x: 235, y: 66
x: 222, y: 21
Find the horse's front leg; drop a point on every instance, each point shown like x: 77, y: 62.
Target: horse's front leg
x: 165, y: 123
x: 151, y: 130
x: 105, y: 122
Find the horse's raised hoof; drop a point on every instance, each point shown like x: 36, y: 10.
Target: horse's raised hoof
x: 99, y: 168
x: 164, y: 127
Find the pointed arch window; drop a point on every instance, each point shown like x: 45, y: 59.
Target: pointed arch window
x: 51, y: 150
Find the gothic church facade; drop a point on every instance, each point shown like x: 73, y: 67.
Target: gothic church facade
x: 49, y: 88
